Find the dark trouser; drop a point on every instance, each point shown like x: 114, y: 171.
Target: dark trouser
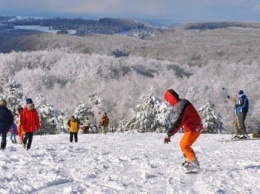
x: 29, y: 138
x: 3, y: 134
x: 75, y: 136
x: 241, y: 121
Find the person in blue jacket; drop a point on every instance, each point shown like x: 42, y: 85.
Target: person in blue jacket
x: 6, y: 121
x: 242, y: 108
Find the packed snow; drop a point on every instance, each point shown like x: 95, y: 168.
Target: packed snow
x: 129, y: 163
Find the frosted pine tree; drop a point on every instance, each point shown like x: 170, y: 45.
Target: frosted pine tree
x: 211, y: 122
x: 52, y: 119
x: 152, y: 114
x: 13, y: 94
x: 82, y: 111
x: 92, y: 109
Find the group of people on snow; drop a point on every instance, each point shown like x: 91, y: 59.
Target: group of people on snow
x: 26, y: 122
x: 74, y: 126
x: 187, y: 118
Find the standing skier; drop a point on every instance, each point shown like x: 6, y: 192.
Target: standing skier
x: 187, y: 118
x: 242, y: 107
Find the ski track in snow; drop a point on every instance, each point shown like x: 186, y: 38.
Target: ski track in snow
x: 128, y: 163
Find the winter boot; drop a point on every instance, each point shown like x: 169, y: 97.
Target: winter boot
x: 243, y: 137
x: 191, y: 166
x: 3, y: 145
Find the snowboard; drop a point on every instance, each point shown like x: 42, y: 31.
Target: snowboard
x: 192, y: 172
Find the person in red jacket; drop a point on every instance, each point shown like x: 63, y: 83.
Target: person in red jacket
x: 29, y: 122
x: 187, y: 118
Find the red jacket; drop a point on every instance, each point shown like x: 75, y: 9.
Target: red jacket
x: 187, y: 117
x: 30, y: 120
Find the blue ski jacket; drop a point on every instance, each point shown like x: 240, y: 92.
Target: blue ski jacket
x: 243, y: 104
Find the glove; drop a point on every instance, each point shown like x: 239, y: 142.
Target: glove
x: 23, y: 132
x: 167, y: 139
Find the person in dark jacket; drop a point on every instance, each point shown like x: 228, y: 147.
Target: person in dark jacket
x: 242, y: 108
x: 6, y: 121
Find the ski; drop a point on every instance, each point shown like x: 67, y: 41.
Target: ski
x: 248, y: 139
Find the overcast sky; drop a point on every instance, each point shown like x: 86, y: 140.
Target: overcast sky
x: 180, y: 10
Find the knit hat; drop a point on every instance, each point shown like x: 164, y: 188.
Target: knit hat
x: 29, y: 101
x: 240, y: 92
x: 3, y: 103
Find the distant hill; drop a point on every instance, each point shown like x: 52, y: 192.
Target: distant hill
x: 192, y: 44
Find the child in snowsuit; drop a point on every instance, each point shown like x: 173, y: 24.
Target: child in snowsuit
x: 74, y: 128
x: 187, y: 118
x: 13, y: 131
x: 18, y: 113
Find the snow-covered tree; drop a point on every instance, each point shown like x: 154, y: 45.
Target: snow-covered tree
x: 13, y: 94
x: 152, y: 114
x: 92, y: 109
x: 211, y: 122
x: 83, y: 111
x: 52, y: 120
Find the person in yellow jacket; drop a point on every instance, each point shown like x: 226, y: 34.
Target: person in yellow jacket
x: 104, y: 123
x: 74, y: 128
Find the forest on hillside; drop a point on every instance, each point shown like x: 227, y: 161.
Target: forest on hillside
x: 204, y: 66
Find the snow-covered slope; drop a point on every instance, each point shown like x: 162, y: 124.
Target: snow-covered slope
x: 128, y: 163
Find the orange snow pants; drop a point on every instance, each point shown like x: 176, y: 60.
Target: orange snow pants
x: 186, y: 142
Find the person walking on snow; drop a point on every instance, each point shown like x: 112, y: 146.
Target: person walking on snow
x: 6, y: 121
x: 30, y: 122
x: 187, y: 118
x: 242, y: 108
x: 74, y: 128
x: 13, y: 131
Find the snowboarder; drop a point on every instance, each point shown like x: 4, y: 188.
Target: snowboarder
x: 73, y: 123
x: 29, y: 122
x: 13, y: 131
x: 242, y: 108
x: 104, y: 123
x: 6, y: 121
x: 187, y: 118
